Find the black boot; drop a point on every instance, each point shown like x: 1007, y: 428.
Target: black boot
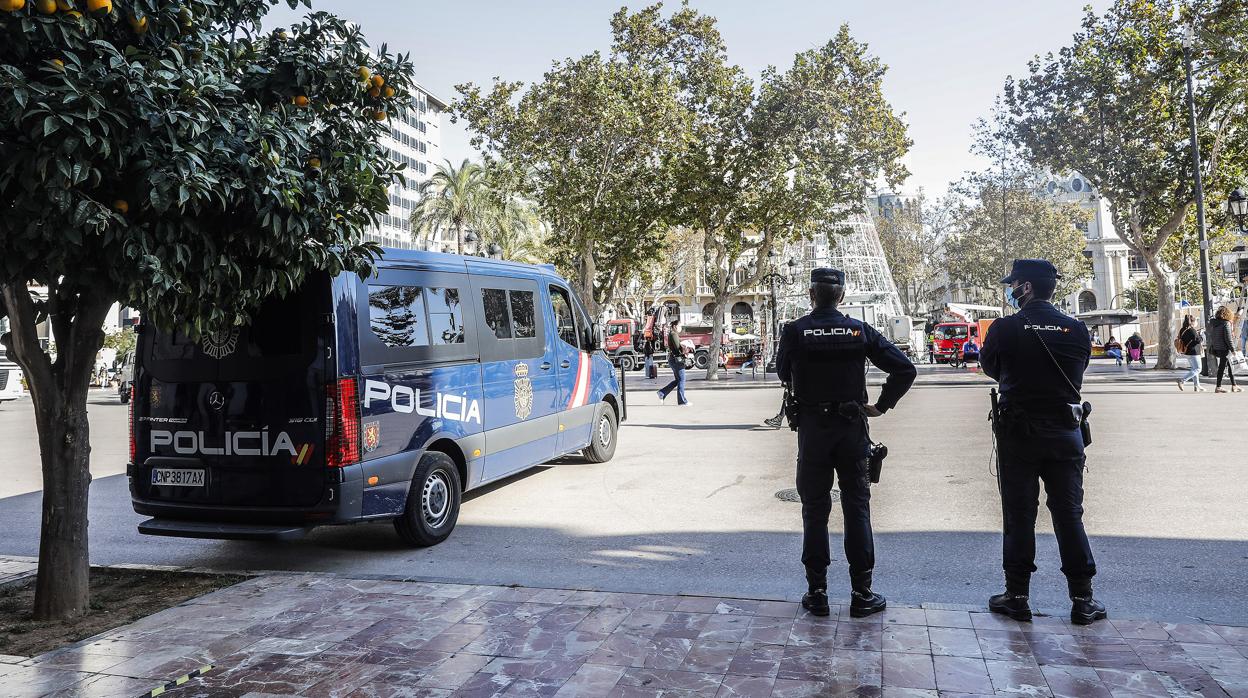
x: 865, y: 603
x: 1011, y: 605
x: 1084, y: 609
x: 1013, y: 602
x: 816, y: 602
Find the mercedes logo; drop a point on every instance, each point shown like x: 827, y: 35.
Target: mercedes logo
x: 216, y: 400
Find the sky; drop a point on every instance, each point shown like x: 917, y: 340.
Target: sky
x: 947, y: 59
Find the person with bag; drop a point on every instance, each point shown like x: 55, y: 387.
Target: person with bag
x: 1038, y: 355
x: 1221, y: 345
x: 1188, y: 343
x: 1135, y: 349
x: 676, y: 360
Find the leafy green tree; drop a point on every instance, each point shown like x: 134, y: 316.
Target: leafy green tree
x: 909, y: 236
x: 775, y: 162
x: 173, y: 157
x: 596, y: 138
x: 1113, y: 106
x: 452, y: 200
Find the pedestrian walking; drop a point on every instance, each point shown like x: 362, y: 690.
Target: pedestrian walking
x: 1135, y: 348
x: 1113, y: 349
x: 675, y: 359
x: 1038, y: 355
x: 821, y: 359
x: 647, y: 350
x: 1221, y: 346
x: 1188, y: 344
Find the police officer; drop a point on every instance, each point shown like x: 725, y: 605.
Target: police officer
x: 1038, y: 355
x: 822, y: 360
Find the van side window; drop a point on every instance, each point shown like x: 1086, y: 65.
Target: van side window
x: 495, y: 300
x: 445, y: 315
x: 564, y: 318
x: 522, y: 321
x: 397, y: 315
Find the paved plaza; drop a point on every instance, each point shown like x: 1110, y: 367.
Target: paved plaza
x: 331, y: 636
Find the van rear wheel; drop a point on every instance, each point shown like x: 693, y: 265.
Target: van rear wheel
x: 432, y: 502
x: 602, y: 441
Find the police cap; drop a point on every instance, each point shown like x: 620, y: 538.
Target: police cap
x: 1031, y: 270
x: 827, y: 275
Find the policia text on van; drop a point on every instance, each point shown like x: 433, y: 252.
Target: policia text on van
x: 356, y: 400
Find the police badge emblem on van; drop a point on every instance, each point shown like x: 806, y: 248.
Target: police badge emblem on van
x: 524, y: 392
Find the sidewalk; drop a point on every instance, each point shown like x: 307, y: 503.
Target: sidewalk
x: 322, y: 635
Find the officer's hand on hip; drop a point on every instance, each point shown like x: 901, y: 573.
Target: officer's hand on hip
x: 872, y: 411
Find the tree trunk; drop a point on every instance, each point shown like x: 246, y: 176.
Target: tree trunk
x: 1165, y: 315
x: 59, y: 393
x: 717, y: 335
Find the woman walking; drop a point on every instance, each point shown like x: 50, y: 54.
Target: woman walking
x: 1221, y: 346
x: 1189, y: 343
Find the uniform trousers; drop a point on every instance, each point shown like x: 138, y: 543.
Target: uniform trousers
x: 1032, y: 453
x: 830, y: 448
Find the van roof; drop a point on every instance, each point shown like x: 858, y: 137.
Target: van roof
x: 393, y: 256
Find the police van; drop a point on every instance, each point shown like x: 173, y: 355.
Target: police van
x: 358, y: 400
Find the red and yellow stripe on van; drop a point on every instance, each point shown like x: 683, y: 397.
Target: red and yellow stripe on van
x: 580, y: 389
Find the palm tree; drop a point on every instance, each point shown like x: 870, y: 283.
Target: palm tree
x: 513, y: 225
x: 453, y: 199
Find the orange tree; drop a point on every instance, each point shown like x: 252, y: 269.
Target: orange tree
x: 173, y: 156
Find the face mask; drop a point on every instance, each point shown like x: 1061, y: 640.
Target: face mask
x: 1013, y: 296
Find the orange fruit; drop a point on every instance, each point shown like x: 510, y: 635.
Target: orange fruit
x: 58, y: 64
x: 378, y: 81
x: 301, y: 101
x: 281, y: 35
x: 389, y: 92
x: 139, y: 25
x: 374, y: 92
x: 364, y: 72
x: 121, y: 206
x: 379, y: 115
x: 100, y: 5
x: 12, y: 5
x: 186, y: 16
x: 46, y: 7
x: 64, y: 5
x: 314, y: 163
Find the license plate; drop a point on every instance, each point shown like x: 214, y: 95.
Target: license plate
x: 177, y: 478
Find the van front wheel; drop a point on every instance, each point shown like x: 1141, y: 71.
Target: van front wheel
x: 602, y: 440
x: 432, y: 502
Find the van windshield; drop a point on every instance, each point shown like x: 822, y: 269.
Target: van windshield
x: 281, y: 337
x: 951, y: 332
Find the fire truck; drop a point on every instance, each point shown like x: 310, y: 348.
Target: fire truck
x: 959, y: 323
x: 626, y: 339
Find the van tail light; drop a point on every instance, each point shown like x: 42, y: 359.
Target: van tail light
x: 133, y: 449
x: 342, y: 427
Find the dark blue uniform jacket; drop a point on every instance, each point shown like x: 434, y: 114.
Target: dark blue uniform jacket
x: 1015, y: 357
x: 821, y: 358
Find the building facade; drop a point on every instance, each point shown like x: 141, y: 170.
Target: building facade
x: 415, y: 140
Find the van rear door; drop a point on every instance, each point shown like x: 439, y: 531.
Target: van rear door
x: 237, y: 418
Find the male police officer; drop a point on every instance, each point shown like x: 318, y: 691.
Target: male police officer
x: 822, y: 360
x: 1038, y: 355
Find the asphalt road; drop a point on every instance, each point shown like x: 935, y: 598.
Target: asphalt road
x: 688, y: 506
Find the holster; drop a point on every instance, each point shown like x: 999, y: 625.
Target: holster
x: 792, y: 410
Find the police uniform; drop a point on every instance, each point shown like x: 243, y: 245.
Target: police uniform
x: 1039, y: 439
x: 821, y: 358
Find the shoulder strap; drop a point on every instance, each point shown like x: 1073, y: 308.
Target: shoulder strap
x: 1052, y: 358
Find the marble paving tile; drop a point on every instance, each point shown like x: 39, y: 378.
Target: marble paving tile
x: 1236, y: 686
x: 858, y: 667
x: 1123, y: 682
x: 908, y: 671
x: 745, y: 687
x: 867, y: 638
x: 564, y: 618
x: 642, y: 602
x: 767, y: 630
x: 681, y: 624
x: 21, y: 682
x: 906, y: 638
x: 756, y: 660
x: 603, y: 619
x: 784, y: 609
x: 1017, y: 677
x: 381, y: 690
x: 643, y: 622
x: 1057, y: 649
x: 591, y: 680
x: 699, y: 683
x: 1216, y: 659
x: 994, y: 621
x: 730, y: 628
x: 576, y: 645
x: 1140, y: 629
x: 542, y: 669
x: 454, y: 638
x: 948, y: 619
x: 1005, y: 645
x: 667, y: 652
x: 954, y: 642
x: 962, y: 674
x: 709, y: 657
x: 904, y: 616
x: 484, y: 686
x: 1193, y: 632
x: 806, y: 663
x: 812, y: 633
x: 104, y: 686
x: 898, y: 692
x: 1232, y: 634
x: 1074, y: 681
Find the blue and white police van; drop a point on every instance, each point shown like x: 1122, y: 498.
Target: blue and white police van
x: 381, y: 399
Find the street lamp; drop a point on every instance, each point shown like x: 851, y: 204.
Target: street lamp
x: 1206, y: 293
x: 1237, y: 206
